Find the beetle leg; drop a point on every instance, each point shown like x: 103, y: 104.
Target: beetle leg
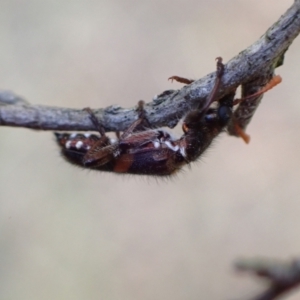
x: 99, y: 155
x: 101, y: 152
x: 141, y: 121
x: 95, y: 121
x: 181, y: 79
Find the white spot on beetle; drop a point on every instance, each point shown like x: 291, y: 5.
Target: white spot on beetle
x: 68, y: 144
x: 79, y: 144
x: 182, y: 151
x: 172, y: 147
x: 156, y: 144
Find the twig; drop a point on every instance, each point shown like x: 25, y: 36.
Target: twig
x: 282, y: 276
x: 166, y: 109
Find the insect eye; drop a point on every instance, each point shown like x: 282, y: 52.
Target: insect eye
x: 224, y: 114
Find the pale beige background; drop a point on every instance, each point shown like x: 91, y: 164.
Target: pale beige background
x: 67, y: 233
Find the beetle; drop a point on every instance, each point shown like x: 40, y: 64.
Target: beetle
x: 151, y: 151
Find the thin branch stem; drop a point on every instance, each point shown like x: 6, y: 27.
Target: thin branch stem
x: 283, y: 276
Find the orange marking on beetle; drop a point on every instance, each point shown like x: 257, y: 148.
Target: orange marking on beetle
x: 123, y: 163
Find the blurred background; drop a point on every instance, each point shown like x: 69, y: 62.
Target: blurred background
x: 68, y: 233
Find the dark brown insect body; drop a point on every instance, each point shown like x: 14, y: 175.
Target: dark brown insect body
x: 151, y: 151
